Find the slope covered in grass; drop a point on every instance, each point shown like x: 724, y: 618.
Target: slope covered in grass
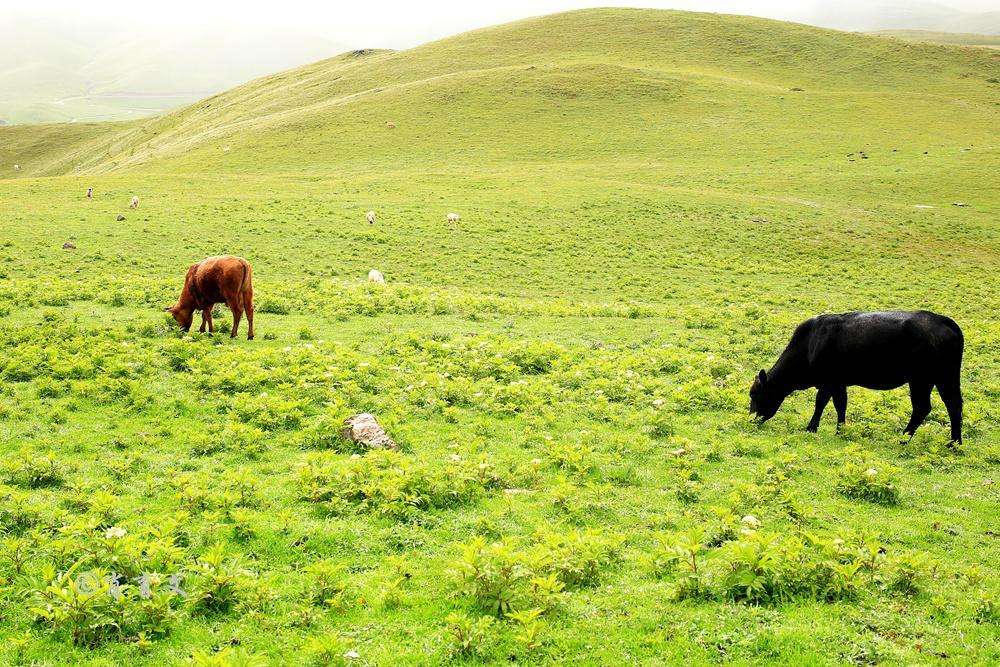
x: 558, y: 79
x: 647, y: 211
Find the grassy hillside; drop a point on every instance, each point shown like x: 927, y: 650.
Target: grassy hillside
x: 650, y: 202
x: 951, y: 38
x: 650, y: 72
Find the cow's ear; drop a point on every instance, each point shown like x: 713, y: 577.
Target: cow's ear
x: 762, y: 376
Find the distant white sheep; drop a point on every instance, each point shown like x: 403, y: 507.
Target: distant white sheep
x: 135, y: 202
x: 454, y: 217
x: 17, y: 167
x: 375, y: 276
x: 370, y: 217
x: 390, y: 125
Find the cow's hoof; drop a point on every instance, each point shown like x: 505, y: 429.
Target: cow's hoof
x: 249, y: 337
x: 811, y: 428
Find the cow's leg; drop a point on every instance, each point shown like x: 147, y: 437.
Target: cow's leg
x: 237, y: 314
x: 822, y: 398
x: 206, y: 317
x: 211, y: 322
x: 951, y: 394
x: 248, y: 304
x: 840, y: 404
x: 920, y: 397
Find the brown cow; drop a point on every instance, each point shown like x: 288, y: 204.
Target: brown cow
x: 213, y: 280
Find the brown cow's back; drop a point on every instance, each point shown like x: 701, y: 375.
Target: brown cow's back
x: 221, y: 279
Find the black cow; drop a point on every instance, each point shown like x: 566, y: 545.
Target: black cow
x: 882, y: 350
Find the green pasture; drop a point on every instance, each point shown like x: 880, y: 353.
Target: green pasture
x: 650, y: 202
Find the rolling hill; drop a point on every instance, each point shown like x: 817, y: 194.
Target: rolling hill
x: 650, y: 202
x: 652, y: 74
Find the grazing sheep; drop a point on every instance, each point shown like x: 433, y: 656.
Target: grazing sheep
x: 134, y: 203
x: 453, y: 217
x: 390, y: 125
x: 17, y: 167
x: 90, y: 193
x: 375, y: 276
x: 370, y: 217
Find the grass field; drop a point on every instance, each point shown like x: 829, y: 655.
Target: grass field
x: 650, y: 202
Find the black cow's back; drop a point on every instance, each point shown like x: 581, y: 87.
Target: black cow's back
x: 880, y: 350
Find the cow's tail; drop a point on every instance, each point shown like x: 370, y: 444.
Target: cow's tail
x: 246, y: 283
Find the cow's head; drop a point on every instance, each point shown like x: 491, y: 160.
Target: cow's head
x: 764, y: 399
x: 184, y: 316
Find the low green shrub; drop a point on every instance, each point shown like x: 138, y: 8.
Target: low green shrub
x: 33, y: 470
x: 508, y: 575
x: 219, y: 583
x: 865, y: 479
x: 389, y: 483
x: 470, y: 637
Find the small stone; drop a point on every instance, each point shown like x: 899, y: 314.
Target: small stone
x: 366, y: 430
x: 750, y: 521
x: 120, y: 217
x: 69, y: 245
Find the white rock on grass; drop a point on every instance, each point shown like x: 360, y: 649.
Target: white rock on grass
x: 365, y: 429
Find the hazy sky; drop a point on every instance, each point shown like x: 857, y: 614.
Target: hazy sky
x: 381, y: 23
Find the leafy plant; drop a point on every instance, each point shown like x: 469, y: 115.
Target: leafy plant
x: 492, y: 574
x: 470, y: 637
x: 867, y: 480
x: 326, y: 583
x: 35, y: 471
x: 218, y: 582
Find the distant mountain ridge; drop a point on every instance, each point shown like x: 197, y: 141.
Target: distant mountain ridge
x: 878, y: 15
x: 53, y: 71
x: 949, y: 38
x: 59, y: 70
